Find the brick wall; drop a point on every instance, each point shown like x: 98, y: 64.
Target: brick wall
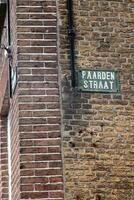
x: 98, y: 128
x: 3, y: 159
x: 3, y: 112
x: 3, y: 62
x: 35, y: 118
x: 14, y: 112
x: 39, y: 106
x: 0, y: 172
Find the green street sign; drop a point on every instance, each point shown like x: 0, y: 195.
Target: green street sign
x: 98, y: 81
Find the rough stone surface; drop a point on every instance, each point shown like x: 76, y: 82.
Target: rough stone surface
x: 98, y: 133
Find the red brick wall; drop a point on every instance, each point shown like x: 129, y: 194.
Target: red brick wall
x: 3, y: 159
x: 35, y: 118
x: 15, y: 142
x: 3, y: 117
x: 14, y: 111
x: 39, y: 106
x: 0, y: 171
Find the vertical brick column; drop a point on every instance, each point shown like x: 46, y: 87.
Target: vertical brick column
x: 3, y: 159
x: 3, y: 105
x: 39, y: 106
x: 14, y: 112
x: 0, y: 170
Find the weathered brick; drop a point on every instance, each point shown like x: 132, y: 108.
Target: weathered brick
x: 32, y: 180
x: 49, y: 172
x: 96, y: 128
x: 34, y: 195
x: 48, y: 187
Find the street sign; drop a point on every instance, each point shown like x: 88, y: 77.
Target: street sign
x: 98, y: 80
x: 13, y: 79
